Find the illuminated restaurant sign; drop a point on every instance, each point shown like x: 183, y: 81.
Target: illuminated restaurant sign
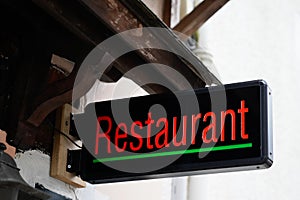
x: 166, y: 135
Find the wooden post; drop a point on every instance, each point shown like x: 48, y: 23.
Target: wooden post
x: 167, y: 12
x: 60, y: 148
x: 193, y: 21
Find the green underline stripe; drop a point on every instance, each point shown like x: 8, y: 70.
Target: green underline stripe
x: 170, y: 153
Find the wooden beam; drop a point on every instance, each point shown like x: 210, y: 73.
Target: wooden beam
x: 118, y: 18
x: 167, y: 12
x: 60, y: 92
x: 61, y: 145
x: 76, y: 19
x: 121, y: 15
x: 193, y: 21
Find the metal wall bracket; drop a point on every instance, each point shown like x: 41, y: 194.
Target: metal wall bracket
x: 73, y: 161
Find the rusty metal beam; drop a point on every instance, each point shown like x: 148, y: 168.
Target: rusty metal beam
x: 193, y: 21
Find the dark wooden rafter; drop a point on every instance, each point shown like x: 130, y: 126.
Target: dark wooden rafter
x: 56, y: 95
x: 60, y: 92
x: 83, y: 24
x: 76, y: 19
x: 193, y: 21
x: 167, y: 12
x: 122, y: 15
x: 118, y: 18
x: 34, y: 31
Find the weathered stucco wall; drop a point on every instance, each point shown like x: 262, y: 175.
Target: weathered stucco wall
x: 35, y: 168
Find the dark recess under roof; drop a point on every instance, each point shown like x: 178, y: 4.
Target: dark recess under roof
x: 31, y: 31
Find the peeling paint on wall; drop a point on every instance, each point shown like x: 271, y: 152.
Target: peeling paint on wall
x: 35, y: 168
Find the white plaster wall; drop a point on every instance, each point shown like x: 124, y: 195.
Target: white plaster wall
x: 158, y: 189
x: 35, y: 168
x: 259, y: 39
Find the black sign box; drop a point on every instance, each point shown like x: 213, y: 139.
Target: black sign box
x: 216, y: 129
